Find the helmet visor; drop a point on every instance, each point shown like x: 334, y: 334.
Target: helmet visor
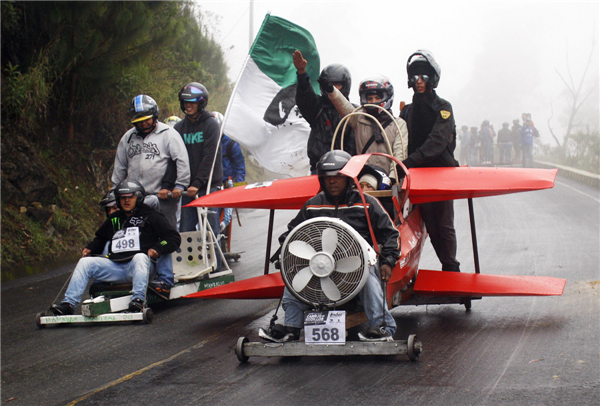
x: 138, y: 119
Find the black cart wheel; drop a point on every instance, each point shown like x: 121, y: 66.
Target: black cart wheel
x: 239, y: 349
x: 38, y: 320
x: 467, y: 303
x: 413, y: 350
x: 148, y: 315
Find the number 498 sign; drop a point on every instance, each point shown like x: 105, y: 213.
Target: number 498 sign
x: 325, y: 327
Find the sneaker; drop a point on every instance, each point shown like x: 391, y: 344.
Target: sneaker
x: 377, y: 333
x: 136, y: 306
x: 280, y: 332
x: 63, y: 309
x: 161, y: 289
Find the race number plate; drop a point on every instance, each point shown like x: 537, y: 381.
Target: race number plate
x: 325, y: 327
x: 126, y: 240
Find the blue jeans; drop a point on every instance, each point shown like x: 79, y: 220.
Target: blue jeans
x: 189, y: 220
x: 136, y: 271
x: 164, y: 267
x: 371, y: 297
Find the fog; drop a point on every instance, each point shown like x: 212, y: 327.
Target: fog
x: 498, y: 59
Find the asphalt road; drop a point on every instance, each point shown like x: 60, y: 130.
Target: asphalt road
x: 505, y: 351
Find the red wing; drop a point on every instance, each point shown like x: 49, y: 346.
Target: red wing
x: 427, y: 185
x: 437, y: 184
x: 438, y: 283
x: 262, y: 287
x: 289, y: 193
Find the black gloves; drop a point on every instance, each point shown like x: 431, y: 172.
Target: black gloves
x: 326, y: 85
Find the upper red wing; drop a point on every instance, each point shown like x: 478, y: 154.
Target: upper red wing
x: 427, y: 185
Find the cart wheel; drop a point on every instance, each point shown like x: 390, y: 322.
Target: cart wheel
x: 411, y: 346
x: 467, y: 303
x: 239, y: 349
x: 38, y: 320
x: 148, y: 315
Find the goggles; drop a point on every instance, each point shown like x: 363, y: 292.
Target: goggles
x: 415, y: 78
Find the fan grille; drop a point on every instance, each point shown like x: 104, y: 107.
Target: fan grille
x: 348, y: 245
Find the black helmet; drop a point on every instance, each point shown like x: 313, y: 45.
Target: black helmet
x: 109, y: 199
x: 332, y: 162
x: 379, y: 85
x: 130, y: 187
x: 336, y: 73
x: 421, y: 62
x: 142, y: 108
x: 193, y: 92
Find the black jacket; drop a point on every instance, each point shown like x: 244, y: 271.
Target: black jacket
x: 154, y: 230
x: 201, y: 139
x: 323, y: 119
x: 351, y: 211
x: 431, y: 132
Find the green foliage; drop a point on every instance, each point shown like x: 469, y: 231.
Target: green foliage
x: 69, y: 71
x: 580, y: 150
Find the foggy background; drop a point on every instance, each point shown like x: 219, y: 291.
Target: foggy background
x: 498, y: 59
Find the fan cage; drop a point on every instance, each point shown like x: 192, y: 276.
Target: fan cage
x: 349, y: 244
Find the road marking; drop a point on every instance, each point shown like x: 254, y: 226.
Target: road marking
x: 151, y: 366
x: 578, y: 191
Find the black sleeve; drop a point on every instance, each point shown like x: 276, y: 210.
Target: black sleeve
x: 168, y: 180
x: 103, y: 235
x: 386, y: 233
x: 169, y: 238
x: 437, y: 141
x: 307, y: 100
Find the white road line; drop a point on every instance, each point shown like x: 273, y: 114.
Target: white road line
x: 578, y: 191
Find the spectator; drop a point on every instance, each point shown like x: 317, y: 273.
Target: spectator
x: 465, y: 144
x: 504, y: 144
x: 516, y: 138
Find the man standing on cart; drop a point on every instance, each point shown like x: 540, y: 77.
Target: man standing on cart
x: 340, y: 200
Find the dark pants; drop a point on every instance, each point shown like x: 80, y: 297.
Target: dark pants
x: 439, y: 220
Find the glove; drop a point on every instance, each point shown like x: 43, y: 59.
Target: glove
x: 326, y: 85
x: 223, y: 226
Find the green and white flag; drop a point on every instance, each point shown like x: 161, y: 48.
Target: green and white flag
x: 262, y: 115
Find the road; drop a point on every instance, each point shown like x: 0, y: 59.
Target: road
x: 505, y: 351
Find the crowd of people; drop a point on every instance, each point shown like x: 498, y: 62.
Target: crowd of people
x: 514, y: 144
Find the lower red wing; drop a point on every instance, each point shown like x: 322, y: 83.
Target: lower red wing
x: 262, y: 287
x: 438, y: 283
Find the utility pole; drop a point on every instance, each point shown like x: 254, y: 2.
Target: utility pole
x: 250, y: 34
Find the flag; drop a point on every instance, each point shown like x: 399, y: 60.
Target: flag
x: 262, y: 115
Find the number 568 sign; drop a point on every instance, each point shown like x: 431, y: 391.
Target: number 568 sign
x: 325, y: 327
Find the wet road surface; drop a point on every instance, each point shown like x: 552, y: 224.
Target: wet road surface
x: 543, y: 350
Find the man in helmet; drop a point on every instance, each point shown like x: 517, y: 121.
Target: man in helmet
x: 172, y: 120
x: 431, y: 143
x: 200, y: 133
x: 145, y: 154
x: 138, y: 236
x: 374, y: 90
x: 340, y: 200
x: 319, y: 112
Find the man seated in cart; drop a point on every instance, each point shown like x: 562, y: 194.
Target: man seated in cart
x: 138, y: 236
x: 339, y: 199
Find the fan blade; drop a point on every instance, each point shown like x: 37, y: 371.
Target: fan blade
x: 302, y: 249
x: 330, y: 290
x: 329, y: 240
x: 349, y: 264
x: 301, y: 279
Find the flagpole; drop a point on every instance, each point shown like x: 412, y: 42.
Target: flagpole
x: 229, y: 105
